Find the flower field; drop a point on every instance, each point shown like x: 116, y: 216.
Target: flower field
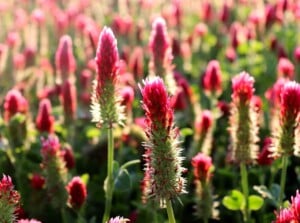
x: 150, y: 111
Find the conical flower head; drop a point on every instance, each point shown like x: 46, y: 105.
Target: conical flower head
x: 161, y: 54
x: 69, y: 100
x: 295, y: 207
x: 64, y: 58
x: 202, y: 167
x: 163, y: 162
x: 286, y: 139
x: 45, y: 120
x: 284, y: 216
x: 212, y: 82
x: 243, y: 120
x: 14, y: 103
x: 285, y: 68
x: 77, y: 192
x: 9, y: 200
x: 106, y: 108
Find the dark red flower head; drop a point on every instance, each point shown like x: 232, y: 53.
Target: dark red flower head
x: 14, y: 103
x: 64, y: 58
x: 7, y: 192
x: 77, y: 192
x: 68, y: 155
x: 285, y: 68
x: 107, y: 58
x: 212, y: 82
x: 242, y: 87
x: 69, y: 99
x: 44, y: 120
x: 50, y: 147
x: 290, y: 100
x: 37, y: 181
x: 264, y: 157
x: 204, y: 123
x: 127, y: 94
x: 202, y: 166
x: 297, y: 54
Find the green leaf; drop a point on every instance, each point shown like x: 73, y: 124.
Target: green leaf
x: 122, y: 181
x: 93, y: 132
x: 235, y: 201
x: 186, y: 132
x: 255, y: 202
x: 85, y: 178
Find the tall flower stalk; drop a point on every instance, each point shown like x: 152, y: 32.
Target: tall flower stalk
x: 243, y: 130
x: 285, y: 142
x: 106, y: 106
x: 163, y: 169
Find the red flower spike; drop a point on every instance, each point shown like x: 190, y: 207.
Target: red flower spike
x: 64, y: 58
x: 14, y: 103
x: 212, y: 82
x: 69, y: 100
x: 202, y: 167
x: 297, y: 54
x: 290, y: 100
x: 68, y: 155
x: 50, y: 147
x: 284, y: 216
x: 205, y: 122
x: 77, y: 192
x: 285, y: 68
x: 127, y: 94
x: 44, y: 120
x: 37, y: 181
x: 295, y: 206
x: 264, y: 157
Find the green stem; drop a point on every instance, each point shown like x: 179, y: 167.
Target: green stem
x: 63, y: 215
x: 282, y: 179
x: 109, y: 179
x: 244, y: 178
x: 170, y: 212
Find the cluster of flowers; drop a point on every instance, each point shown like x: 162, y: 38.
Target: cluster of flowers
x: 290, y: 214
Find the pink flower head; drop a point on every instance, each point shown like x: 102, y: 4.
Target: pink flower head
x: 202, y: 167
x: 12, y: 39
x: 295, y: 207
x: 68, y: 155
x: 19, y: 61
x: 8, y: 196
x: 156, y: 104
x: 69, y: 100
x: 212, y: 82
x: 50, y: 147
x: 14, y: 103
x: 264, y: 157
x: 290, y: 101
x: 297, y: 54
x: 38, y: 16
x: 285, y: 68
x: 77, y: 192
x: 28, y: 221
x: 85, y: 79
x: 159, y: 43
x: 136, y: 63
x: 257, y: 103
x: 200, y: 29
x: 242, y: 87
x: 284, y: 216
x: 118, y: 220
x: 205, y: 122
x: 273, y: 94
x: 107, y: 58
x: 225, y: 13
x: 37, y: 181
x: 127, y: 94
x: 230, y: 54
x: 224, y: 108
x: 64, y: 58
x: 44, y: 120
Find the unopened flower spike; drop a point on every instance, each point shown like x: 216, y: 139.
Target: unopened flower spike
x: 106, y: 108
x: 161, y: 54
x: 163, y: 168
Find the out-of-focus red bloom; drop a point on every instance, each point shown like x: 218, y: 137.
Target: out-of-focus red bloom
x: 264, y: 157
x: 297, y: 54
x: 64, y: 58
x: 141, y: 121
x: 69, y: 100
x: 242, y: 87
x: 281, y: 52
x: 273, y: 94
x: 257, y: 103
x: 38, y: 16
x: 202, y: 167
x: 29, y: 55
x: 285, y: 68
x: 44, y: 120
x: 200, y: 29
x: 37, y: 181
x: 225, y: 13
x: 230, y: 54
x: 206, y: 11
x: 19, y: 61
x: 14, y: 102
x: 50, y: 147
x: 127, y: 94
x: 295, y: 206
x: 224, y: 108
x: 290, y: 101
x: 212, y: 81
x: 122, y: 25
x: 7, y: 190
x: 85, y: 79
x: 12, y: 39
x: 68, y: 155
x: 136, y: 63
x: 77, y: 192
x: 284, y: 216
x: 204, y: 123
